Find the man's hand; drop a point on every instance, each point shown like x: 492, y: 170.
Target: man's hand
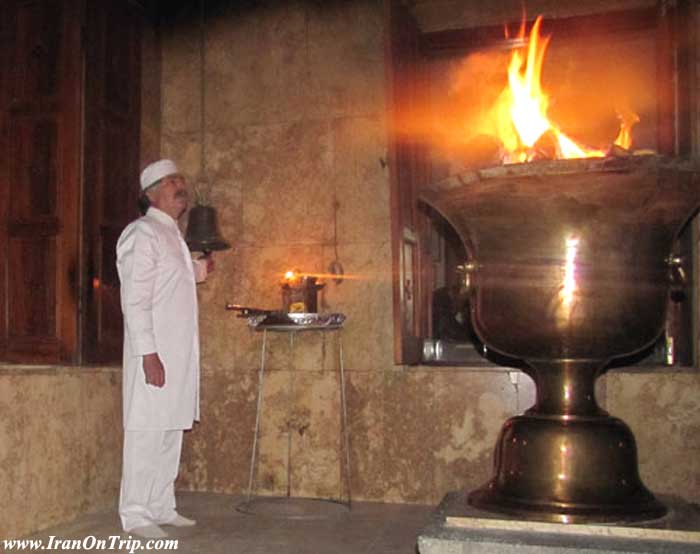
x: 203, y: 266
x: 154, y: 370
x: 209, y: 258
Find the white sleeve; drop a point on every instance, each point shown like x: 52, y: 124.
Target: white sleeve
x: 136, y: 262
x: 200, y: 270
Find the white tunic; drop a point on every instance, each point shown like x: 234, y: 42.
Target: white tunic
x: 159, y: 303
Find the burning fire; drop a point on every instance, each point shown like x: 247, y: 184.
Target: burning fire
x: 521, y: 110
x: 295, y: 275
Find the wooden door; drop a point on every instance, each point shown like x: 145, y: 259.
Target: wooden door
x: 112, y: 93
x: 40, y: 118
x: 408, y: 167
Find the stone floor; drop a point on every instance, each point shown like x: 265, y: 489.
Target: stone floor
x: 274, y: 526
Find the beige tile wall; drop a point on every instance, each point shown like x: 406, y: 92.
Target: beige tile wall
x: 295, y: 117
x: 60, y: 445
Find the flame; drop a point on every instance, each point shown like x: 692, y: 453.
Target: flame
x: 627, y: 121
x: 291, y: 276
x: 521, y: 109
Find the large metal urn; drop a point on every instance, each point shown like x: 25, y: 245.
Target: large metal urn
x: 569, y: 271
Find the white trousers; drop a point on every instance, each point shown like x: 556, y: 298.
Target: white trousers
x: 151, y: 460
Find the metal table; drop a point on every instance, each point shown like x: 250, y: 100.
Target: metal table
x: 293, y: 330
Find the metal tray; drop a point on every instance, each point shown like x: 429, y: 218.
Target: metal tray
x: 280, y: 321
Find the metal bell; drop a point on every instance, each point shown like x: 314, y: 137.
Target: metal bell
x: 202, y: 233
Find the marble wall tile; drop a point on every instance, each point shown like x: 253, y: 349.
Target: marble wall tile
x: 256, y: 64
x: 409, y: 417
x: 185, y: 150
x: 216, y: 453
x: 194, y: 465
x: 526, y: 393
x: 54, y: 462
x: 290, y: 200
x: 15, y: 479
x: 151, y: 115
x: 471, y: 409
x: 331, y: 345
x: 308, y: 350
x: 305, y: 60
x: 221, y: 348
x: 277, y: 420
x: 365, y: 298
x: 345, y: 58
x: 102, y: 426
x: 279, y: 350
x: 316, y: 445
x: 61, y: 438
x: 225, y: 195
x: 220, y: 330
x: 661, y: 407
x: 180, y: 85
x: 226, y: 178
x: 365, y: 405
x: 361, y: 180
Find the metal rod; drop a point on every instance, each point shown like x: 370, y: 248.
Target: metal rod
x: 343, y: 402
x: 202, y: 94
x: 290, y: 413
x: 258, y: 411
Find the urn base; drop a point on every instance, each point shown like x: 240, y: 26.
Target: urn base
x: 567, y: 469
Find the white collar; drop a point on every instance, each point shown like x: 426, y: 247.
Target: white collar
x: 161, y: 216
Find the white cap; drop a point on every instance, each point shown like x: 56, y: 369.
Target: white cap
x: 156, y: 171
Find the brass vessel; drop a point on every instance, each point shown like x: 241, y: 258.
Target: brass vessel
x: 569, y: 270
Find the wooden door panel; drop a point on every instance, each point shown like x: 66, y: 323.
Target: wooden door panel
x: 49, y: 71
x: 39, y: 48
x: 33, y: 159
x: 7, y: 37
x: 40, y: 114
x: 116, y: 170
x: 31, y: 295
x: 111, y: 171
x: 121, y: 50
x: 111, y: 323
x: 407, y: 174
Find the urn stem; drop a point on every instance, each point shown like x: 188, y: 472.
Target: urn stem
x: 566, y: 388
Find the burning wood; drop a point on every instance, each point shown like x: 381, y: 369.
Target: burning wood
x: 545, y: 148
x: 519, y: 118
x: 617, y: 151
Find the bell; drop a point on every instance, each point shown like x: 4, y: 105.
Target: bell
x: 202, y: 233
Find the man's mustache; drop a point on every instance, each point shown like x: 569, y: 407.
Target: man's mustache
x: 181, y: 194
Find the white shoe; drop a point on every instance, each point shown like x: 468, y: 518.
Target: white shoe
x: 148, y: 532
x: 180, y: 521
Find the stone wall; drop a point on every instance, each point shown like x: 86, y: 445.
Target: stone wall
x: 663, y: 410
x: 295, y: 119
x: 60, y: 445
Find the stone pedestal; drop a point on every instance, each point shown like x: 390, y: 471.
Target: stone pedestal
x: 457, y: 528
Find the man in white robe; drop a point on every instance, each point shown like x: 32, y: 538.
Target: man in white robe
x: 161, y: 352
